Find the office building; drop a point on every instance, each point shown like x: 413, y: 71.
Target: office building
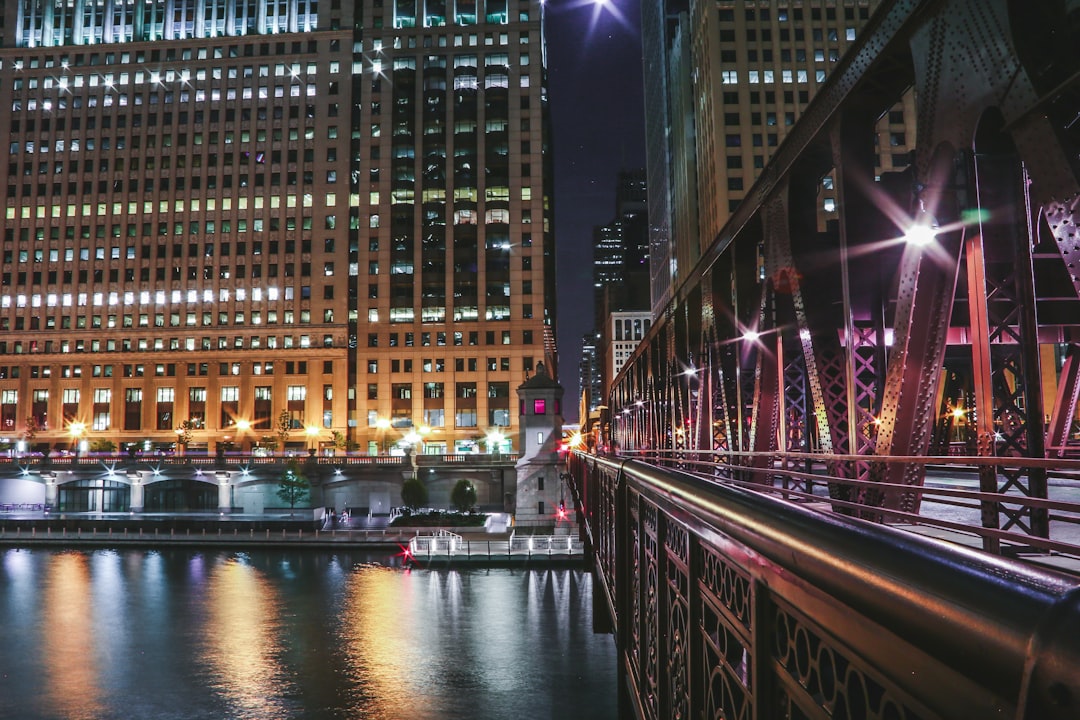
x: 732, y: 77
x: 625, y: 330
x: 620, y: 270
x: 233, y: 212
x: 590, y: 377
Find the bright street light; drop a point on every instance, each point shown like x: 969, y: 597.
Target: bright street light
x: 312, y: 433
x: 495, y: 438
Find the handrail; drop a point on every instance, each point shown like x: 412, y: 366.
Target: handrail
x: 777, y: 473
x: 1013, y: 630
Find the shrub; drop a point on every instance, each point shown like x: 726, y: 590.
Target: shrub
x: 463, y: 496
x: 414, y: 493
x: 440, y: 519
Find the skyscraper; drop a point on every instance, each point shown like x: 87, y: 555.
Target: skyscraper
x: 220, y: 211
x: 732, y: 77
x: 620, y: 270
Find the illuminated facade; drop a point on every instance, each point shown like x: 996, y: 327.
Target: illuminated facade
x: 223, y: 212
x: 734, y: 76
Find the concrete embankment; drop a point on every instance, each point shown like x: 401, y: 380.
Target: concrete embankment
x: 132, y: 536
x: 419, y: 546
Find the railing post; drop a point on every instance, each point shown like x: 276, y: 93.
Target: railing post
x: 619, y: 587
x: 663, y: 618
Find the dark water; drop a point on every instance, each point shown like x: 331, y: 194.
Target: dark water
x: 185, y: 634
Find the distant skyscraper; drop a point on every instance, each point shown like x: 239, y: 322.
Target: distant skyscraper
x: 221, y: 210
x: 624, y: 331
x: 621, y: 251
x: 620, y: 266
x: 590, y: 378
x: 725, y: 81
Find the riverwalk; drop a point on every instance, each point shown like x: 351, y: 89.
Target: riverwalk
x: 419, y: 546
x: 137, y: 534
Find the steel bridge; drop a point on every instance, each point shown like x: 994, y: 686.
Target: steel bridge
x: 911, y: 369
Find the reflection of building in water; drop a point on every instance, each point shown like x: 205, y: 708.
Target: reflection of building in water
x: 385, y: 634
x: 70, y: 640
x: 243, y: 640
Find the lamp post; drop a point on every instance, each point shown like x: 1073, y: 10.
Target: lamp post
x: 382, y: 425
x: 495, y: 439
x: 242, y: 426
x: 312, y: 433
x: 76, y: 430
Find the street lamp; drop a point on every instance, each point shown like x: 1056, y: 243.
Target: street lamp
x: 242, y: 426
x: 312, y: 433
x: 495, y: 439
x: 76, y: 430
x: 958, y: 414
x: 382, y: 424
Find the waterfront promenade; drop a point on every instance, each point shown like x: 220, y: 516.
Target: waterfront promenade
x: 417, y: 545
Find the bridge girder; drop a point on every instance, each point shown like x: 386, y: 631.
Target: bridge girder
x: 869, y: 319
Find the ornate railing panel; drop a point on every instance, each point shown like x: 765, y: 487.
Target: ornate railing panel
x: 733, y: 604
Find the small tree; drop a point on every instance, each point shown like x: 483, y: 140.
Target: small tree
x: 294, y: 486
x: 337, y: 439
x: 102, y: 446
x: 414, y: 493
x: 32, y: 428
x: 282, y: 428
x: 183, y: 433
x: 463, y: 496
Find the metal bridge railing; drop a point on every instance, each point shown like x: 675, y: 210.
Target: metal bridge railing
x: 950, y: 504
x: 731, y: 603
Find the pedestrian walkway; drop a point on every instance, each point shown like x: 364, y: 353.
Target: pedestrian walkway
x: 442, y: 547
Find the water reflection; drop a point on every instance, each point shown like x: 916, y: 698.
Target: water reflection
x: 379, y: 632
x: 68, y: 640
x: 293, y: 635
x: 241, y: 640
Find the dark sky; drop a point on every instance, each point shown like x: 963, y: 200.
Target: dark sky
x: 598, y: 116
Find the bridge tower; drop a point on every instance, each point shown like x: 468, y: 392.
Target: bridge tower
x: 540, y: 492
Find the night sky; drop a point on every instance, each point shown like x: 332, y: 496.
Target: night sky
x: 596, y: 94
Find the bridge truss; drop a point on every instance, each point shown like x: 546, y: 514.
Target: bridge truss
x: 858, y: 343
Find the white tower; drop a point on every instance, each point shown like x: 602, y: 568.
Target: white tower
x: 540, y: 492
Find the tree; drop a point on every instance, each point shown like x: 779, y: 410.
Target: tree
x: 414, y: 493
x: 294, y: 485
x: 463, y: 496
x: 282, y: 428
x: 32, y: 428
x: 337, y: 439
x: 183, y: 433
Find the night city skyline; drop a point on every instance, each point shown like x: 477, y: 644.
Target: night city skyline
x: 595, y: 72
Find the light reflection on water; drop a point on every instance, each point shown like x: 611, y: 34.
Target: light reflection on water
x: 71, y: 675
x: 189, y: 635
x: 241, y: 642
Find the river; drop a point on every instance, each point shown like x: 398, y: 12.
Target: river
x: 184, y: 634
